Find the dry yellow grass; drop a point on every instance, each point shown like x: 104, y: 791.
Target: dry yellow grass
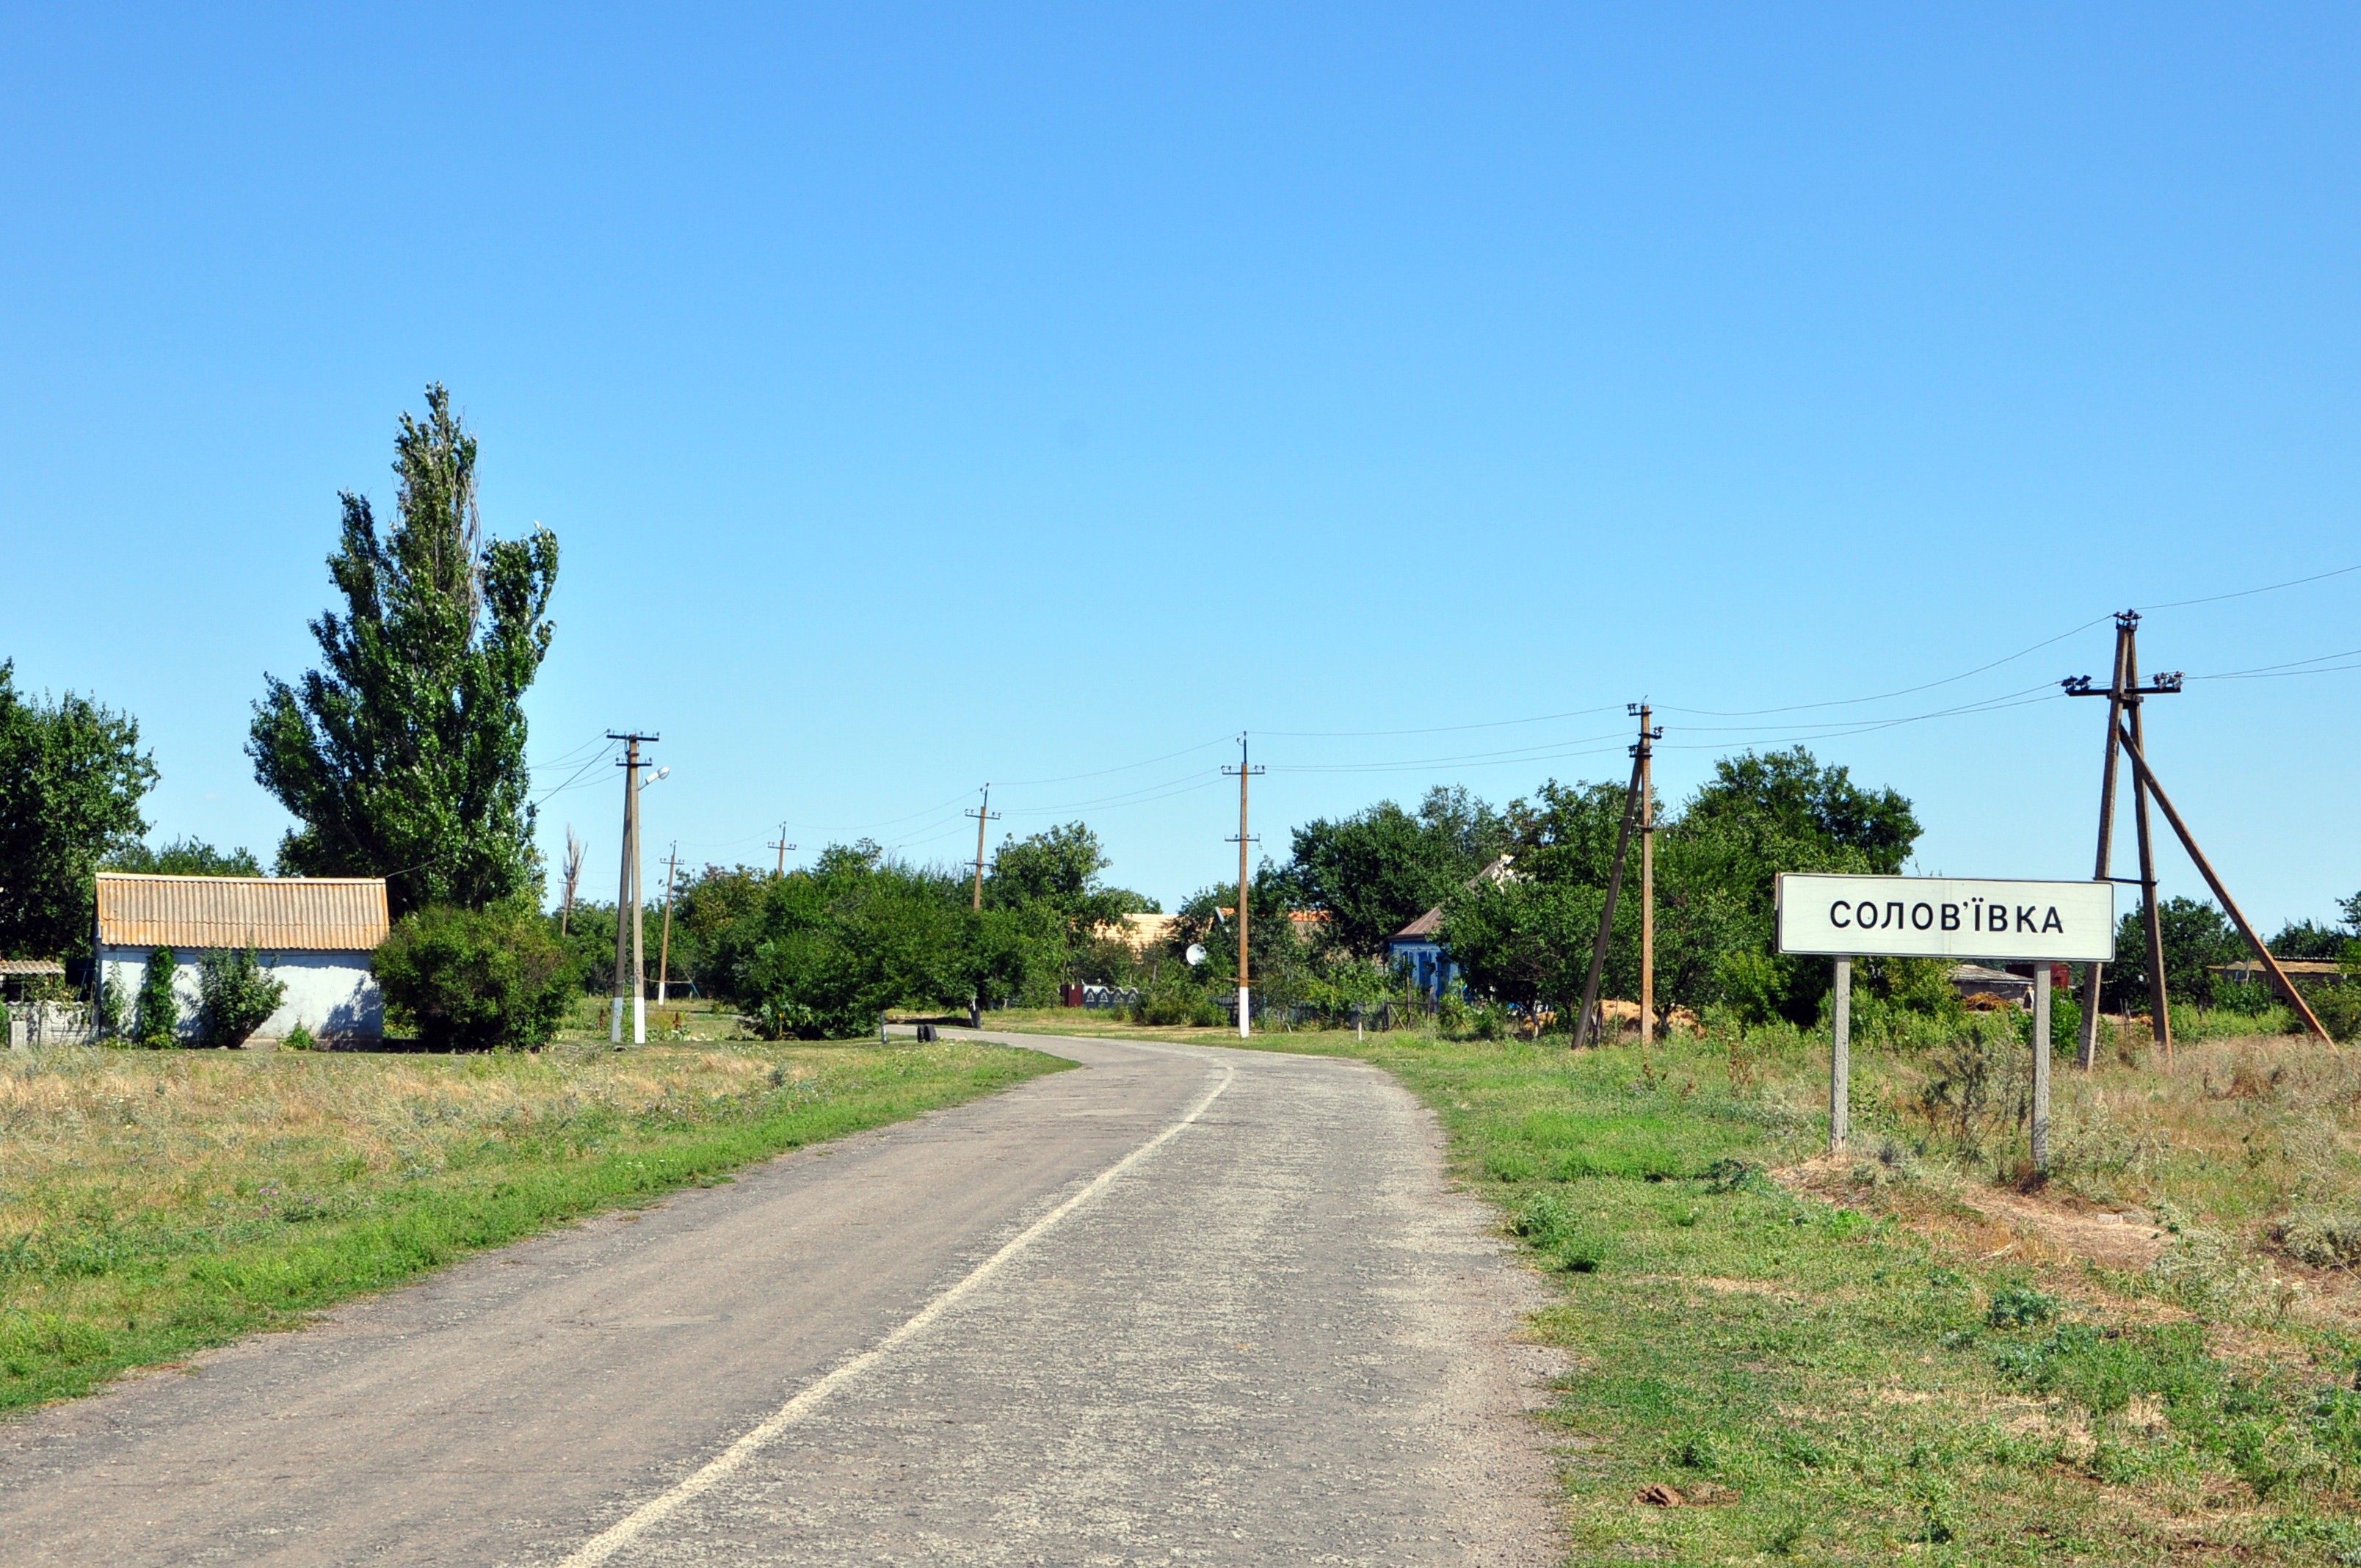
x: 152, y: 1201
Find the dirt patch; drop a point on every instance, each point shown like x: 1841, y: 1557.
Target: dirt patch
x: 2037, y: 1229
x: 2127, y: 1241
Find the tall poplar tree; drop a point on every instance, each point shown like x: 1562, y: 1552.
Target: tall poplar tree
x: 404, y: 757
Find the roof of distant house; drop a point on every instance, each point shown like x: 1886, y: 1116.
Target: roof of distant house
x: 274, y: 914
x: 31, y: 966
x: 1428, y: 923
x: 1978, y: 974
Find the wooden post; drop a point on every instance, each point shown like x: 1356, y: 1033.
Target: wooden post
x: 1245, y: 771
x: 1647, y: 884
x: 2042, y: 975
x: 2160, y: 1003
x: 1586, y: 1023
x: 2086, y: 1049
x: 983, y: 815
x: 1840, y: 1061
x: 2237, y: 918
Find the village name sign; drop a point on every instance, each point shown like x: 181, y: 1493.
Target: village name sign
x: 1946, y: 917
x: 1846, y: 918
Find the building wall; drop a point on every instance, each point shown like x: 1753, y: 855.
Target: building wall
x: 1431, y: 968
x: 332, y: 994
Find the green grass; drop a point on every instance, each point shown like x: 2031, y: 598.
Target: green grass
x: 156, y: 1203
x: 1858, y: 1381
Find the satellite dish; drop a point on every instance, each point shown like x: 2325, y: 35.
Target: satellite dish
x: 1196, y: 954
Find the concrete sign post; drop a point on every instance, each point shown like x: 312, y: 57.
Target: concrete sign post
x: 1843, y: 918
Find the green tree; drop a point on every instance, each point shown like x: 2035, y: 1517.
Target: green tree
x: 185, y: 857
x: 1382, y: 868
x: 1059, y: 870
x: 73, y: 778
x: 2196, y: 935
x: 404, y: 757
x: 1529, y: 940
x: 477, y: 978
x: 829, y: 949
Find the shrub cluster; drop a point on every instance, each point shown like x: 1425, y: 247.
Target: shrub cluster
x: 475, y: 979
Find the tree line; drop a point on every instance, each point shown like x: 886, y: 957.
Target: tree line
x: 402, y: 755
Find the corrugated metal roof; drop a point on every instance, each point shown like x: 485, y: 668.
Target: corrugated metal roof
x: 275, y: 913
x: 31, y: 966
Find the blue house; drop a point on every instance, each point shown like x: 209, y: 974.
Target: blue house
x: 1420, y: 943
x: 1417, y: 944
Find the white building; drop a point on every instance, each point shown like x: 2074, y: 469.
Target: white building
x: 314, y: 933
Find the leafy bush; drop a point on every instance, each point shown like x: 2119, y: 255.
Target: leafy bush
x: 2338, y: 1008
x: 109, y: 1011
x: 156, y: 1013
x: 2322, y: 1238
x: 1167, y: 1000
x: 475, y: 980
x: 2016, y: 1306
x: 298, y: 1038
x: 233, y: 995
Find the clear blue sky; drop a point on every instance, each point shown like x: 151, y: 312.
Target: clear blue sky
x: 929, y: 396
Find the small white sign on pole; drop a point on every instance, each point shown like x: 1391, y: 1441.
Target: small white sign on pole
x: 1845, y: 918
x: 1946, y: 917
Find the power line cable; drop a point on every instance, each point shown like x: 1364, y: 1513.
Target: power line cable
x: 2247, y: 593
x: 1436, y: 730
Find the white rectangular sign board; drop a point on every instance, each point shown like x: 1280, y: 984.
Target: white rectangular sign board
x: 1946, y: 917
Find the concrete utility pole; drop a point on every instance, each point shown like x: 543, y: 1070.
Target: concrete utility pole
x: 1242, y: 839
x: 664, y: 948
x: 627, y: 958
x: 1647, y: 876
x: 782, y: 847
x: 983, y: 815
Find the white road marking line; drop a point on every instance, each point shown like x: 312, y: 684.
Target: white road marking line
x: 623, y: 1532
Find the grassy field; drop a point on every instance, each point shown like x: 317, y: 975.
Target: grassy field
x: 152, y: 1203
x: 1917, y: 1353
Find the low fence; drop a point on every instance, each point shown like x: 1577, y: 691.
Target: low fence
x: 33, y: 1025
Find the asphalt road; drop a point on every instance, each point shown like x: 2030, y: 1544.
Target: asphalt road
x: 1183, y: 1305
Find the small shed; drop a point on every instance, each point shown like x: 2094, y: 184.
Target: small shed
x: 314, y: 933
x: 15, y: 972
x: 1972, y: 981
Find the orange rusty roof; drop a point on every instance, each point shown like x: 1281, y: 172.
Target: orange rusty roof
x: 277, y: 913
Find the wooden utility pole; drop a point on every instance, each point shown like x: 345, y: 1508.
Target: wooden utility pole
x: 2086, y: 1049
x: 782, y: 847
x: 574, y: 848
x: 2124, y: 695
x: 983, y: 815
x: 2206, y: 868
x: 1243, y: 841
x: 2159, y: 1010
x: 1647, y: 876
x: 1585, y: 1027
x: 628, y: 961
x: 664, y: 948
